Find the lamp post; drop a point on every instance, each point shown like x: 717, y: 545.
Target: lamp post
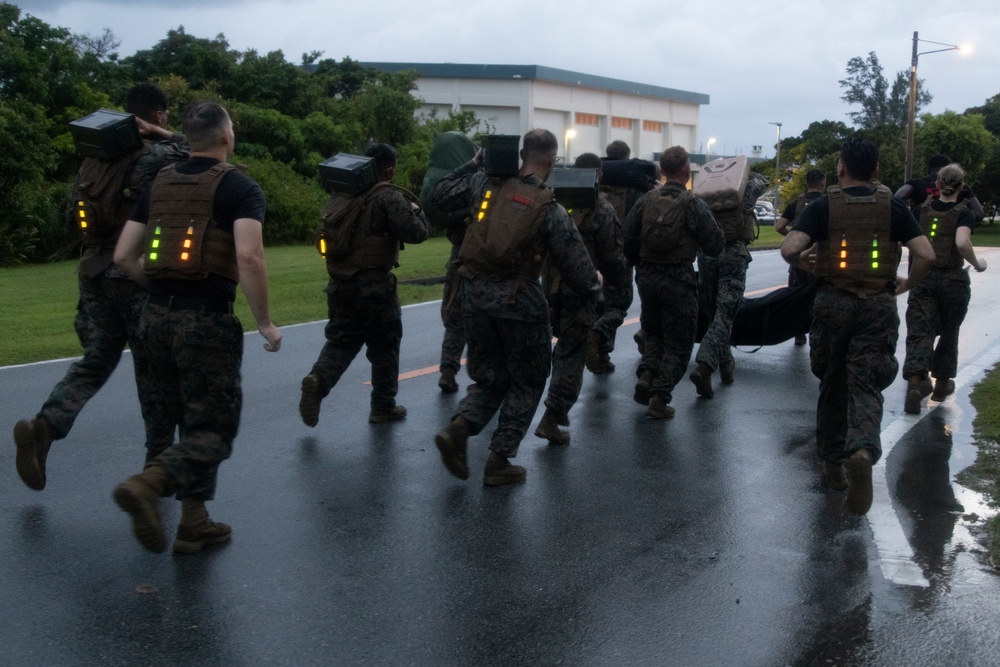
x: 777, y: 171
x: 911, y: 116
x: 570, y: 134
x: 708, y: 150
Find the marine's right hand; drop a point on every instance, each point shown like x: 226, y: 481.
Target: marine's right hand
x: 272, y: 335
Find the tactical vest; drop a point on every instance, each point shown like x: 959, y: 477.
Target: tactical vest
x: 182, y: 239
x: 502, y: 241
x: 940, y: 228
x: 363, y: 247
x: 665, y: 238
x: 617, y: 196
x: 859, y: 255
x: 736, y: 224
x: 101, y: 199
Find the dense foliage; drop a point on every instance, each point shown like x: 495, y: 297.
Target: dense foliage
x: 287, y: 117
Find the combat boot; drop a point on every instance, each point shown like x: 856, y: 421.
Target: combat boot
x: 834, y: 476
x: 604, y: 364
x: 452, y: 442
x: 701, y: 376
x: 197, y: 530
x: 859, y: 482
x: 727, y: 371
x: 447, y: 382
x: 500, y: 471
x: 641, y: 394
x: 591, y: 358
x: 139, y: 495
x: 393, y: 414
x: 311, y: 397
x: 549, y: 429
x: 943, y: 388
x: 640, y: 341
x: 33, y: 438
x: 801, y: 339
x: 911, y: 405
x: 658, y: 409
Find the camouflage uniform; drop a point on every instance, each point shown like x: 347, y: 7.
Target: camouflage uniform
x: 936, y: 307
x: 669, y: 294
x: 852, y: 344
x: 108, y: 316
x: 195, y: 343
x: 722, y: 281
x: 364, y: 308
x: 619, y: 294
x: 507, y: 321
x: 601, y: 232
x: 451, y: 315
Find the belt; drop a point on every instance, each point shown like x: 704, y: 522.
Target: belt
x: 191, y: 303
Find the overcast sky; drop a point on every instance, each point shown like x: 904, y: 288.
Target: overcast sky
x: 760, y: 62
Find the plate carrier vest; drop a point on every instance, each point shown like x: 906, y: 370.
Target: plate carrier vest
x: 940, y: 228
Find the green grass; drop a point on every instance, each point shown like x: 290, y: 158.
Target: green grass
x: 38, y: 302
x: 984, y: 475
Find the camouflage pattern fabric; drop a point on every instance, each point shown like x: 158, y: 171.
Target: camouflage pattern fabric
x: 509, y: 362
x: 108, y: 316
x: 577, y: 315
x: 363, y: 310
x: 936, y: 307
x: 721, y: 283
x: 194, y: 361
x: 669, y: 296
x: 451, y: 316
x: 852, y: 350
x: 507, y: 322
x: 619, y: 298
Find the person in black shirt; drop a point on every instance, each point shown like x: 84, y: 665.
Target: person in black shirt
x: 917, y: 190
x: 816, y: 185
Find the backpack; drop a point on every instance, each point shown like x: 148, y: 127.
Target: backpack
x: 101, y: 200
x: 449, y: 151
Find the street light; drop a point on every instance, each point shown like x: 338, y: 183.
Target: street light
x: 777, y: 171
x: 570, y: 134
x: 708, y: 150
x: 908, y: 170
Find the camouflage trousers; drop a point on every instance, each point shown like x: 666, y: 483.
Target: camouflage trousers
x: 619, y: 299
x: 451, y: 316
x: 721, y: 283
x: 509, y: 362
x: 936, y: 308
x: 195, y: 360
x: 669, y: 319
x: 108, y: 316
x: 852, y: 350
x: 364, y: 311
x: 576, y: 317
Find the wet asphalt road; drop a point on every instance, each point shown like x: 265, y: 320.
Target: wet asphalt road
x: 702, y: 541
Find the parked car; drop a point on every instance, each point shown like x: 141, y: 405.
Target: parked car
x: 765, y: 213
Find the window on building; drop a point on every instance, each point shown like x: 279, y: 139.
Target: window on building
x: 652, y: 126
x: 586, y: 119
x: 621, y: 123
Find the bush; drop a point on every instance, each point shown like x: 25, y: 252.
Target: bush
x: 294, y: 203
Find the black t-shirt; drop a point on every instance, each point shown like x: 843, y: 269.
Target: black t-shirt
x: 790, y: 210
x: 815, y: 219
x: 238, y: 196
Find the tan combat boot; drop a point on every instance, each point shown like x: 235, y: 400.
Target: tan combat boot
x: 197, y: 530
x: 701, y: 376
x: 911, y: 405
x: 452, y: 442
x: 943, y: 388
x: 139, y: 495
x: 447, y: 382
x: 548, y: 428
x: 641, y: 393
x: 500, y: 471
x: 834, y: 476
x: 33, y: 438
x: 659, y: 409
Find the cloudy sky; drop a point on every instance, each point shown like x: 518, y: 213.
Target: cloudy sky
x: 760, y: 62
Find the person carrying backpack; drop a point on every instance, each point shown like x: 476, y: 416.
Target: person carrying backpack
x: 365, y: 233
x: 663, y: 233
x: 110, y: 304
x: 516, y: 225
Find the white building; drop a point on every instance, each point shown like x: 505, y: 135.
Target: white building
x: 586, y: 112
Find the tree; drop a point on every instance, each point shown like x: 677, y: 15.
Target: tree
x: 883, y: 107
x: 962, y: 137
x: 199, y: 61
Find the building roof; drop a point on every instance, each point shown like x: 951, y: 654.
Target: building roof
x: 539, y: 72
